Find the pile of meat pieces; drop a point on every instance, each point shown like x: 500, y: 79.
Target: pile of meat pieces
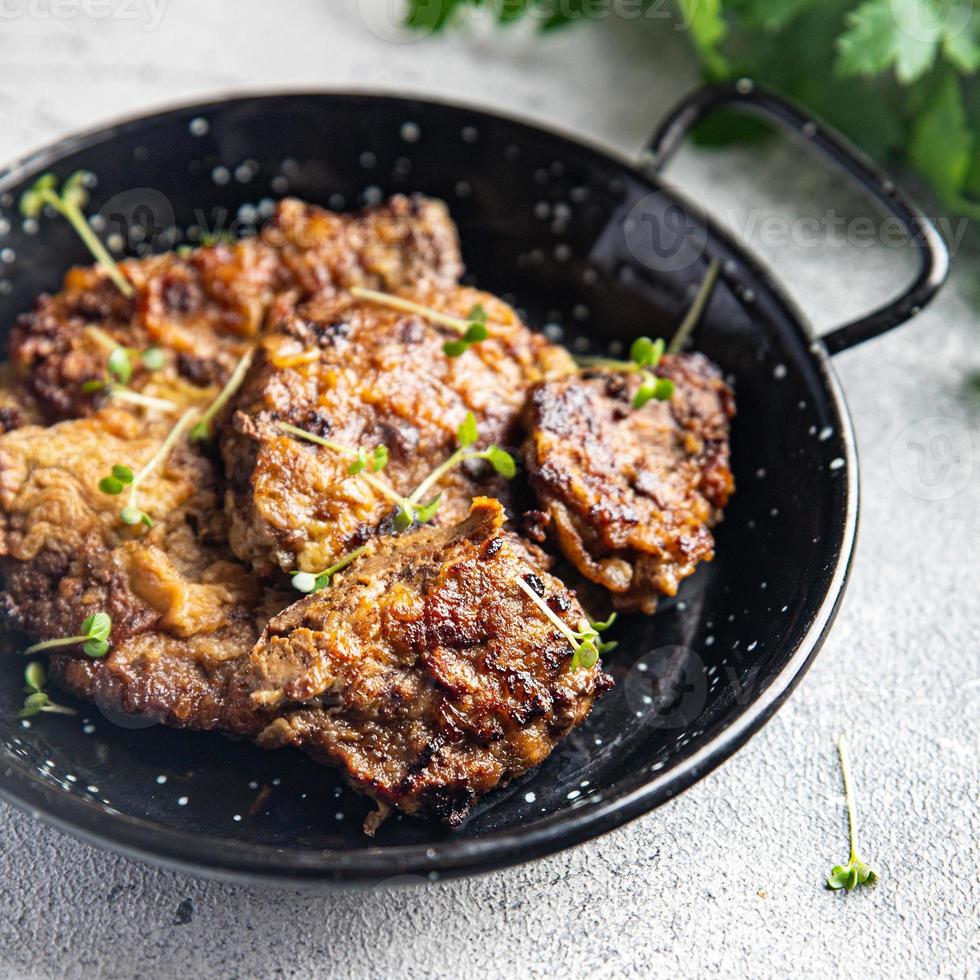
x: 425, y: 673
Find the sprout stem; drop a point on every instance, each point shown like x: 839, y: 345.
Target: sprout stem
x: 566, y: 630
x: 78, y: 221
x: 848, y: 795
x: 147, y: 401
x: 407, y: 306
x: 64, y: 641
x: 203, y: 428
x: 693, y: 314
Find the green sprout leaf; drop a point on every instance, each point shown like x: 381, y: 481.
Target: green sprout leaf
x: 502, y: 462
x: 379, y: 459
x: 454, y: 348
x: 425, y: 512
x: 153, y: 359
x: 359, y: 463
x: 467, y: 433
x: 97, y: 626
x: 34, y: 676
x: 33, y: 704
x: 120, y: 366
x: 646, y: 353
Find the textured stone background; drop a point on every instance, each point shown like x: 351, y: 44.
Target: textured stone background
x: 726, y: 880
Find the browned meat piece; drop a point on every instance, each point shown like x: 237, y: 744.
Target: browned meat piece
x: 631, y: 494
x: 425, y: 673
x: 365, y: 375
x: 402, y: 241
x: 182, y: 609
x: 18, y: 406
x: 203, y: 308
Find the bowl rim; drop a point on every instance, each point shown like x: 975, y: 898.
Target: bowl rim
x: 215, y: 857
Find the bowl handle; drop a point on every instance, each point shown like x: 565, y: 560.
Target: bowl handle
x: 918, y: 229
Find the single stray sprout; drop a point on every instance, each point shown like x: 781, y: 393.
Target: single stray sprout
x: 94, y: 637
x: 645, y: 354
x: 122, y: 476
x: 69, y: 203
x: 315, y: 581
x: 37, y: 699
x: 471, y: 330
x: 202, y: 430
x: 585, y: 641
x: 415, y: 509
x: 855, y: 872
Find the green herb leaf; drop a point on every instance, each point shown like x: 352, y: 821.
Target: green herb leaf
x: 425, y: 512
x: 96, y: 648
x: 93, y: 384
x: 33, y: 704
x: 502, y: 462
x: 120, y: 366
x: 34, y: 675
x: 97, y: 626
x: 454, y: 348
x: 646, y: 353
x: 358, y: 463
x: 110, y: 485
x: 379, y: 459
x: 478, y: 314
x: 122, y: 473
x: 153, y: 359
x: 467, y: 433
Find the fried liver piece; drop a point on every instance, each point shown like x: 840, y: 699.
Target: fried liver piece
x: 182, y: 609
x: 204, y: 308
x: 631, y: 494
x: 425, y: 674
x: 361, y: 375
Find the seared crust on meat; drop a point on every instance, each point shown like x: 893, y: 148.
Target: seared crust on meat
x: 365, y: 375
x: 425, y: 673
x: 631, y: 494
x: 181, y: 607
x: 203, y: 308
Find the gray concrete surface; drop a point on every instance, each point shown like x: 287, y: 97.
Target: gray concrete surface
x: 726, y: 880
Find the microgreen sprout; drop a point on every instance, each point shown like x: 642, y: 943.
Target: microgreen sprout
x: 122, y: 476
x: 645, y: 355
x: 855, y: 872
x: 315, y: 581
x: 415, y: 508
x: 471, y: 330
x: 202, y: 430
x: 37, y: 699
x: 94, y: 637
x: 585, y: 641
x: 120, y: 371
x: 69, y: 203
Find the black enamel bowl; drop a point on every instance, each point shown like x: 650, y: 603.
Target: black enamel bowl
x: 595, y: 251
